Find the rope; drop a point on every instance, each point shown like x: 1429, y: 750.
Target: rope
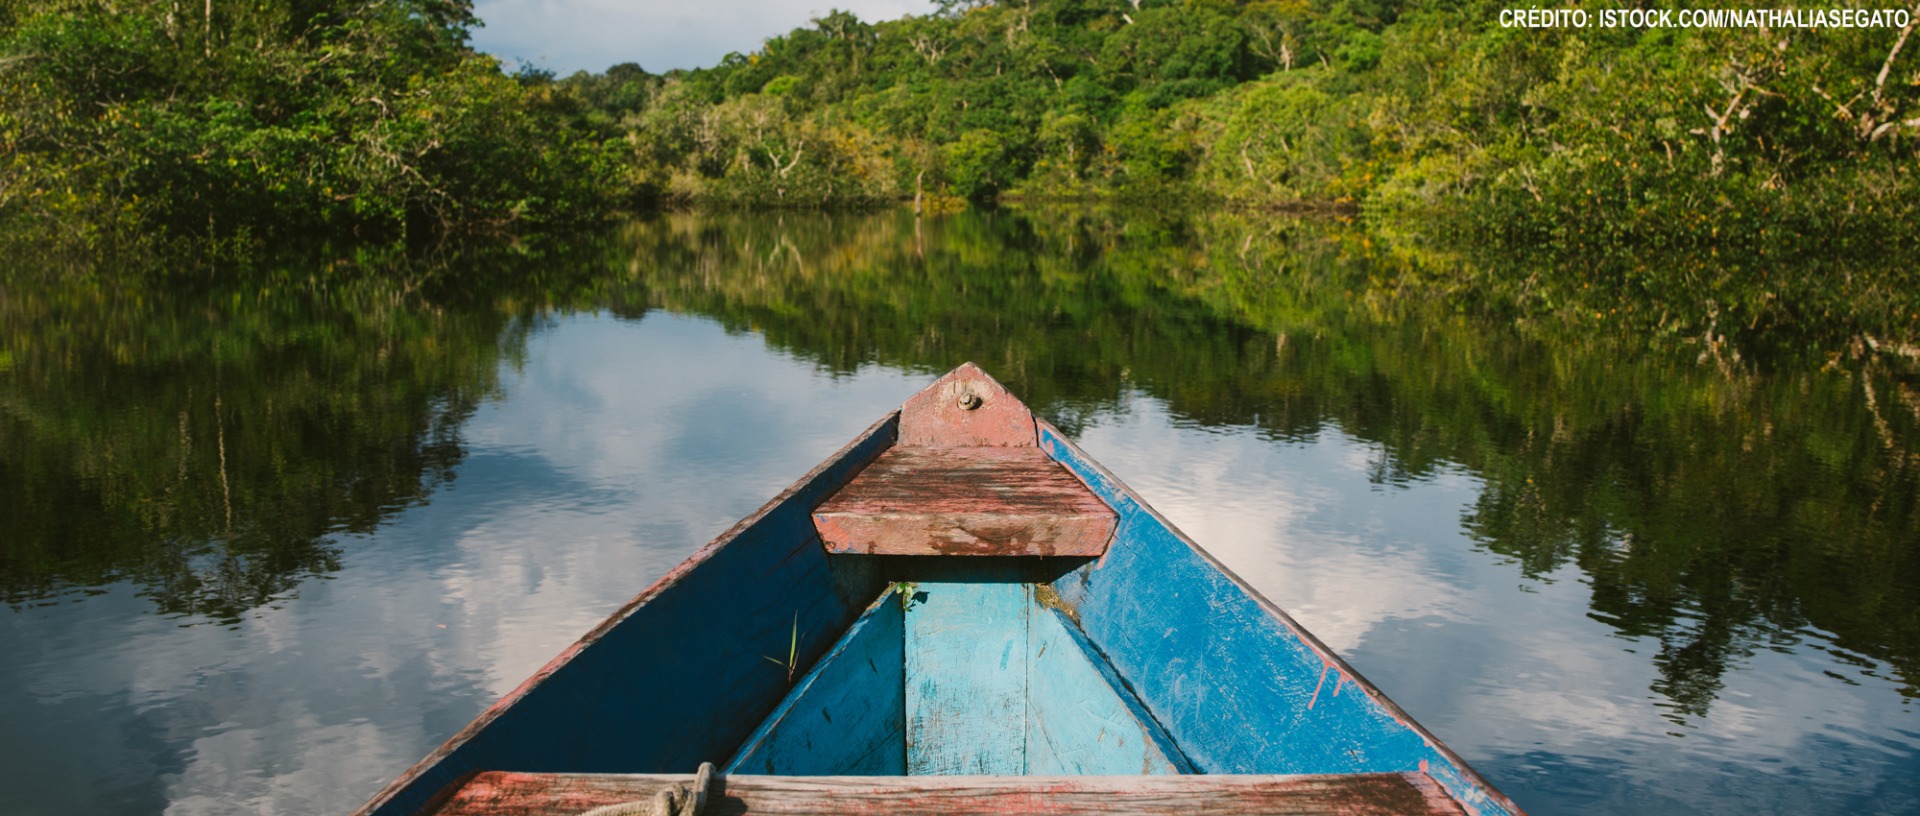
x: 675, y: 799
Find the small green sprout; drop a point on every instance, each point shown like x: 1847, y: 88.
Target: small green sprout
x: 793, y: 651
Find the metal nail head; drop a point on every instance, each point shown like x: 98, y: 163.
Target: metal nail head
x: 969, y: 401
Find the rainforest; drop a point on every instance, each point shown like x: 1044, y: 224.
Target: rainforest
x: 1429, y: 119
x: 1563, y: 379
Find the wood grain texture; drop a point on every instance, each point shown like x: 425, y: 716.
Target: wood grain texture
x: 519, y: 794
x: 966, y: 678
x: 937, y: 416
x: 984, y: 680
x: 965, y: 501
x: 848, y: 715
x: 1237, y: 684
x: 677, y: 675
x: 1080, y: 720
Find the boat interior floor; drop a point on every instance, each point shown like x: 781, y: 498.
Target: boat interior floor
x: 961, y: 698
x: 941, y: 678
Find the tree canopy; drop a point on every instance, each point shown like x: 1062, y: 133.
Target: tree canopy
x: 219, y: 118
x: 379, y: 117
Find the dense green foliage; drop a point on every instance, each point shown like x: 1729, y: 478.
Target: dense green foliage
x: 346, y: 115
x: 1728, y: 136
x: 224, y: 118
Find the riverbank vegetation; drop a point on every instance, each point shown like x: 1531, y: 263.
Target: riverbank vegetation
x: 225, y: 119
x: 1570, y: 138
x: 378, y: 118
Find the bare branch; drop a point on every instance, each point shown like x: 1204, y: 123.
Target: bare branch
x: 1880, y: 82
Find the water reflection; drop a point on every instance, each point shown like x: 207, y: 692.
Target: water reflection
x: 1719, y: 510
x: 208, y: 443
x: 575, y: 488
x: 1613, y: 571
x: 1514, y: 672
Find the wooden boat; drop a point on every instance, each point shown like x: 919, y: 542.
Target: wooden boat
x: 959, y: 612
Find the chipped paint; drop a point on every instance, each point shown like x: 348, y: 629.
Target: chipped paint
x: 1236, y: 663
x: 1047, y: 596
x: 937, y: 416
x: 1401, y: 794
x: 916, y: 500
x: 1193, y: 654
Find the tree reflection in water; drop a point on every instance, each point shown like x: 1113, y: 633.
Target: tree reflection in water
x: 205, y: 437
x: 1721, y: 490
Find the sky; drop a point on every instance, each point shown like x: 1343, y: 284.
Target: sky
x: 564, y: 36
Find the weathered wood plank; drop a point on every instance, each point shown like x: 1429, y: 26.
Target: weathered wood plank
x: 966, y: 408
x: 1079, y: 719
x: 1240, y: 686
x: 966, y: 678
x: 676, y: 676
x: 965, y: 501
x: 519, y: 794
x: 848, y: 715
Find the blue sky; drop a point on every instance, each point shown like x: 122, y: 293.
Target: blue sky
x: 570, y: 35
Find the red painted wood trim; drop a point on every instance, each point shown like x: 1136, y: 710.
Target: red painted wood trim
x: 939, y: 415
x: 965, y: 501
x: 525, y: 794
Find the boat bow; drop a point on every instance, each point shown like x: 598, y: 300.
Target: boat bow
x: 977, y: 617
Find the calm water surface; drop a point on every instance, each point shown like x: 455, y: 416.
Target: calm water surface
x: 270, y: 538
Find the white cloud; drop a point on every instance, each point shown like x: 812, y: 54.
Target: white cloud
x: 571, y: 35
x: 618, y: 449
x: 598, y: 469
x: 1524, y: 684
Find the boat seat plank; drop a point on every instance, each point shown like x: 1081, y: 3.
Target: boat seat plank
x: 1403, y: 794
x: 918, y: 500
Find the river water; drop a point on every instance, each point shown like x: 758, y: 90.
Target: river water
x: 268, y: 537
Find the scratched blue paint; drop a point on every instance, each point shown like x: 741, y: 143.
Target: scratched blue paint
x: 1232, y: 682
x: 983, y: 678
x: 966, y: 678
x: 681, y: 679
x: 1079, y: 719
x: 1235, y: 684
x: 846, y: 716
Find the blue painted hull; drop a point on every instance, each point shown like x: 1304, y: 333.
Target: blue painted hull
x: 767, y: 655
